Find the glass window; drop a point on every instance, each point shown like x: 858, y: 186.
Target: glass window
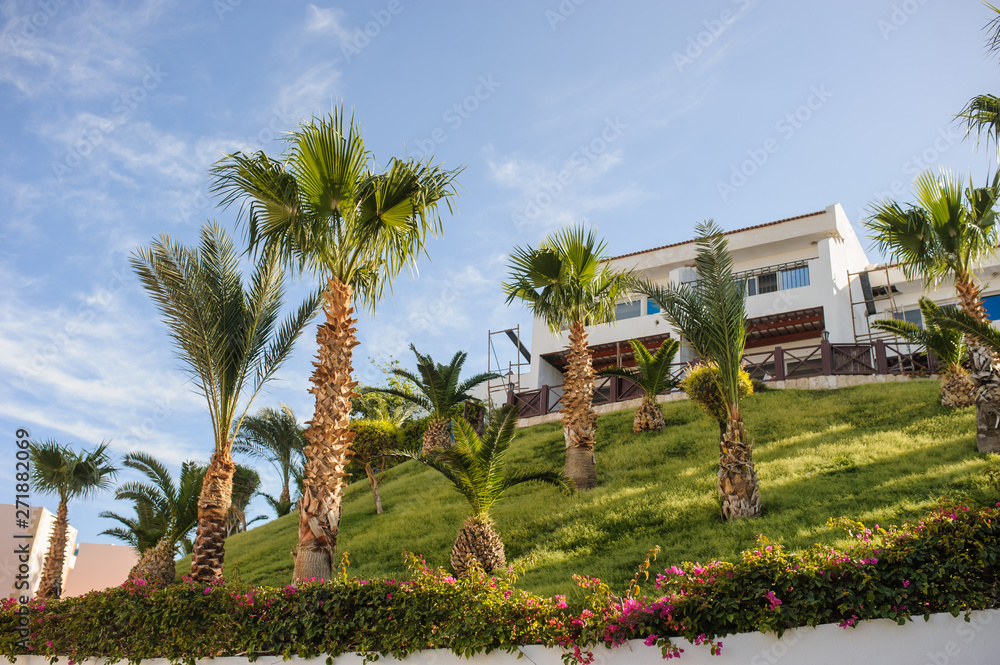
x: 752, y: 286
x: 911, y: 315
x: 652, y: 308
x: 767, y: 283
x: 627, y: 310
x: 794, y: 278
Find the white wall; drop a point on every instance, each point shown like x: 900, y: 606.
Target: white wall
x: 944, y: 640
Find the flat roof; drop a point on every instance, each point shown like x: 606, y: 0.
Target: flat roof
x: 745, y: 228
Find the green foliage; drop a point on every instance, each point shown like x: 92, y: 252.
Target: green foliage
x: 58, y: 469
x: 947, y: 562
x: 652, y: 370
x: 372, y: 440
x: 701, y: 384
x: 246, y: 482
x: 566, y: 279
x: 368, y: 403
x: 949, y: 345
x: 274, y: 435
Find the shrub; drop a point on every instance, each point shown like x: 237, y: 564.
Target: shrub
x: 701, y: 385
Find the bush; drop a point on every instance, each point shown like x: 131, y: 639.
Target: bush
x: 700, y: 385
x: 949, y: 562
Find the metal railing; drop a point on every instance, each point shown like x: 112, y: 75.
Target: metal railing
x: 778, y: 364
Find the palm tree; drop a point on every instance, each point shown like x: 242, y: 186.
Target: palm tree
x: 57, y: 469
x: 477, y: 468
x: 438, y: 392
x: 230, y: 341
x: 274, y: 435
x: 246, y: 482
x: 982, y: 113
x: 652, y: 374
x: 946, y: 344
x: 567, y: 283
x: 712, y: 318
x: 948, y: 232
x: 166, y: 512
x: 324, y: 207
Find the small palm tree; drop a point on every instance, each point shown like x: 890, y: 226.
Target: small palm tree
x: 712, y: 317
x: 326, y: 207
x: 438, y: 392
x: 477, y: 468
x: 166, y: 513
x: 246, y: 482
x: 231, y: 342
x: 57, y: 469
x: 946, y: 344
x: 652, y: 374
x: 567, y: 283
x: 274, y: 435
x: 946, y: 234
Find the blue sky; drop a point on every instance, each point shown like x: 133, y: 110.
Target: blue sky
x: 641, y: 118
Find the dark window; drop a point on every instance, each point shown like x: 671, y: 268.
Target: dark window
x: 911, y: 315
x: 627, y: 310
x: 767, y: 283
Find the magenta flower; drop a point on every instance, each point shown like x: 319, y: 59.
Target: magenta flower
x: 651, y: 640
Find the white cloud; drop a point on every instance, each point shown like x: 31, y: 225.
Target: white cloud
x: 326, y: 21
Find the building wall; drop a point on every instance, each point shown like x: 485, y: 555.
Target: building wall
x: 40, y: 525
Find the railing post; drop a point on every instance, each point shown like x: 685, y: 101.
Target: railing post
x: 881, y: 361
x: 510, y: 397
x: 545, y: 399
x: 779, y: 364
x: 826, y: 353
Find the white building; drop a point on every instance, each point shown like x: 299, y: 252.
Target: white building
x: 19, y: 567
x: 808, y: 279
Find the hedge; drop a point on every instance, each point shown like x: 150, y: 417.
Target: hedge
x: 948, y: 562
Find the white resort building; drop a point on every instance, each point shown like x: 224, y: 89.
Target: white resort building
x: 812, y: 294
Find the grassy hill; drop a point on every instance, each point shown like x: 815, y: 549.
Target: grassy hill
x: 881, y: 453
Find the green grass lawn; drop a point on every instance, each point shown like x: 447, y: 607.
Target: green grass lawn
x: 880, y: 453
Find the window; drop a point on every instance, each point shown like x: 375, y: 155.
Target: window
x: 774, y: 278
x: 767, y: 283
x: 911, y: 315
x: 627, y: 310
x: 652, y: 308
x: 795, y: 277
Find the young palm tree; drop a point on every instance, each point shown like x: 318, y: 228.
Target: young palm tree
x: 231, y: 342
x: 949, y: 231
x: 982, y: 113
x: 325, y: 207
x: 437, y: 391
x: 246, y: 482
x: 166, y: 512
x: 477, y: 468
x: 56, y: 469
x: 712, y: 317
x: 652, y: 374
x: 946, y: 344
x: 274, y: 435
x: 566, y: 283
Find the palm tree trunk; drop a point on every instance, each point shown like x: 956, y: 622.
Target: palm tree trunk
x: 985, y: 370
x: 286, y: 496
x: 648, y: 417
x: 578, y: 415
x: 208, y: 556
x: 737, y: 475
x: 50, y: 585
x: 156, y: 566
x: 956, y: 388
x: 478, y: 542
x: 329, y: 436
x: 437, y: 437
x: 373, y: 483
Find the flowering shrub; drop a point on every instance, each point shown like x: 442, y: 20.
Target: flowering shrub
x: 949, y: 562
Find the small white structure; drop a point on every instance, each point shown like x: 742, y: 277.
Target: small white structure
x: 21, y: 562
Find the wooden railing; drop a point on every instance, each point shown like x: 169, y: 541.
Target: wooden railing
x: 778, y: 364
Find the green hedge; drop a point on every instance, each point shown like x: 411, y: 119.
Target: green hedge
x: 949, y: 562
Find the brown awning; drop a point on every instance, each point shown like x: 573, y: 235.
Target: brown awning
x: 608, y: 354
x: 775, y: 329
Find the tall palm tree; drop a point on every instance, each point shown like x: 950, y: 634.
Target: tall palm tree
x: 324, y: 207
x: 438, y: 392
x: 652, y: 374
x: 231, y: 341
x: 57, y: 469
x: 567, y: 283
x: 477, y: 468
x: 947, y: 233
x: 166, y: 513
x: 712, y: 317
x: 948, y: 345
x: 982, y: 113
x: 274, y: 435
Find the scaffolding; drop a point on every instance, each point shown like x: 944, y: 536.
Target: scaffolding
x: 875, y: 286
x: 510, y: 376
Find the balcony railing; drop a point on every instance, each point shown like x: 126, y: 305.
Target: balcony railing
x: 778, y: 364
